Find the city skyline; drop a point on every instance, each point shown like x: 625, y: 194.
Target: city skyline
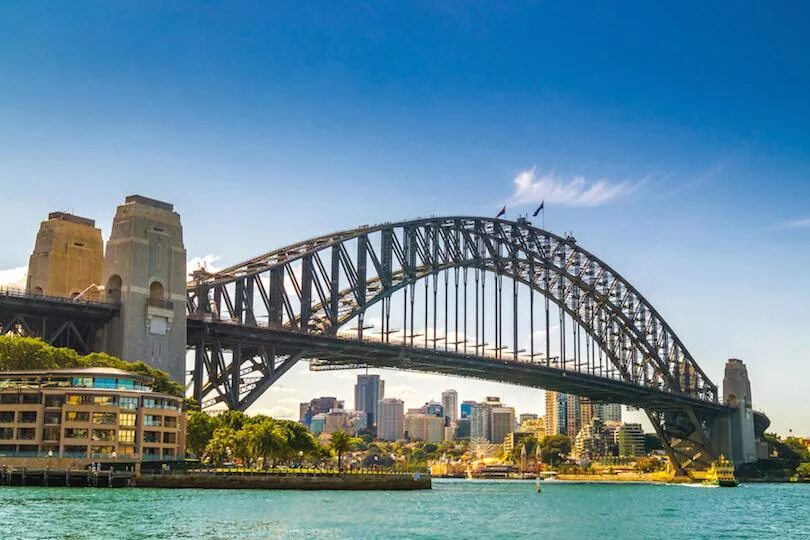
x: 666, y: 154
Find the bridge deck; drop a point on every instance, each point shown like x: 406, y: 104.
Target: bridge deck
x: 339, y: 352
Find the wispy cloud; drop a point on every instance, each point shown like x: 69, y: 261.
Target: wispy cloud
x: 532, y: 187
x: 14, y: 277
x: 803, y: 223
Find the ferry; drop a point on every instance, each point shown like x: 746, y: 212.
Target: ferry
x: 721, y: 473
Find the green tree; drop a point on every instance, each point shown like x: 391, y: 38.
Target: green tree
x: 266, y: 440
x: 300, y: 442
x: 803, y: 470
x: 235, y: 420
x: 199, y: 430
x: 554, y: 448
x: 340, y: 443
x: 219, y: 448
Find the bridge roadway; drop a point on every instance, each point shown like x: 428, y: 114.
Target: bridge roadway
x: 60, y: 321
x: 336, y: 352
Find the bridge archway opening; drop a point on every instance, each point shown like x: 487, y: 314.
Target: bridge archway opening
x: 113, y: 289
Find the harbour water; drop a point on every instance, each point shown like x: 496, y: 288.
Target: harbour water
x: 452, y: 509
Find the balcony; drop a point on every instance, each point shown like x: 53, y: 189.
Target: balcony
x: 160, y: 303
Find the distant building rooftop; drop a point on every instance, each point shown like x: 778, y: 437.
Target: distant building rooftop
x: 64, y: 216
x: 140, y: 199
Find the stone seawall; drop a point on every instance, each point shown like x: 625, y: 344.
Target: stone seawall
x: 286, y: 481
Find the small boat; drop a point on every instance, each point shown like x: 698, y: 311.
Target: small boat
x: 721, y: 473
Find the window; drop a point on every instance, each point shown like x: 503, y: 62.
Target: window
x: 128, y: 451
x: 53, y: 418
x: 168, y: 453
x: 101, y: 450
x: 6, y: 433
x: 79, y: 399
x: 151, y: 437
x: 170, y: 438
x: 151, y: 451
x: 6, y: 417
x: 27, y: 417
x: 126, y: 436
x: 169, y: 421
x: 77, y: 416
x: 75, y: 451
x: 105, y: 401
x: 104, y: 418
x: 82, y: 382
x: 54, y: 401
x: 76, y: 433
x: 152, y: 420
x: 27, y: 434
x: 9, y: 399
x: 126, y: 384
x: 102, y: 435
x: 31, y: 398
x: 50, y: 434
x: 130, y: 403
x: 103, y: 382
x: 126, y: 419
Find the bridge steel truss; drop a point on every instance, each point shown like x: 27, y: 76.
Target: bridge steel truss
x: 62, y: 322
x: 250, y: 323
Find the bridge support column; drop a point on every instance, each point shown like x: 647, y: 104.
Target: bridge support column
x: 145, y: 270
x: 686, y: 437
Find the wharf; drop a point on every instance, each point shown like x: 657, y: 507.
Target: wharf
x: 321, y: 480
x: 48, y: 477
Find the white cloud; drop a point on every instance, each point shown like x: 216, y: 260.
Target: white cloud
x: 532, y: 188
x: 14, y: 278
x: 796, y: 224
x: 283, y: 413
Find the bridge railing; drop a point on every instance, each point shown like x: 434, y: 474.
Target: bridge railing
x: 10, y: 292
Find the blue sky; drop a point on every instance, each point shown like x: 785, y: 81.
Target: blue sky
x: 675, y: 144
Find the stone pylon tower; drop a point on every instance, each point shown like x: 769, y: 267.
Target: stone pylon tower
x: 68, y: 257
x: 145, y: 270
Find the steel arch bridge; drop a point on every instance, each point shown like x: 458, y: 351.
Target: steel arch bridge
x: 469, y: 296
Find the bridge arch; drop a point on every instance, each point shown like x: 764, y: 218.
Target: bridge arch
x: 299, y: 288
x: 251, y: 322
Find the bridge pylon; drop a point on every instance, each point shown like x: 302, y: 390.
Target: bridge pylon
x: 145, y: 271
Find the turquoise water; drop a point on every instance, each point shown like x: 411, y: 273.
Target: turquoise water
x: 453, y: 509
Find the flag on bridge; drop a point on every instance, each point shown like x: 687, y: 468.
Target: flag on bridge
x: 502, y: 212
x: 539, y: 208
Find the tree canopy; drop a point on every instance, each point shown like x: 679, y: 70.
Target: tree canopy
x: 22, y: 353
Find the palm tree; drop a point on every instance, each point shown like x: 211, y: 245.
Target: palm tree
x: 267, y: 440
x: 341, y: 443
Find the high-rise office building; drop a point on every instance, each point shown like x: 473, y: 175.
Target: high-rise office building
x: 450, y: 404
x: 573, y: 416
x: 434, y: 408
x: 466, y: 408
x: 502, y: 423
x: 480, y: 422
x: 321, y: 405
x: 608, y: 412
x: 424, y: 427
x: 390, y: 419
x: 556, y: 413
x: 630, y: 440
x: 463, y: 429
x: 368, y: 391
